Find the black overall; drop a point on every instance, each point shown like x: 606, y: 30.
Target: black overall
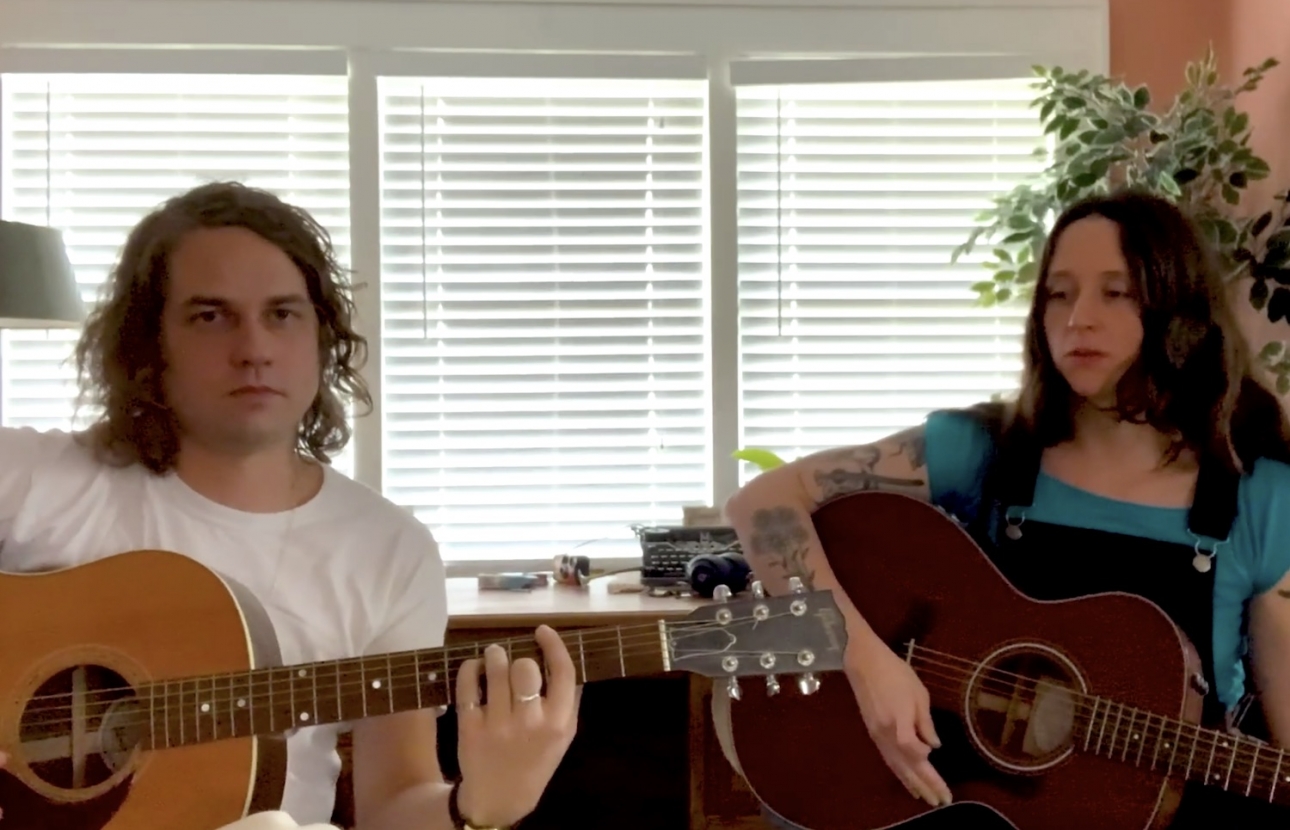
x: 1050, y: 562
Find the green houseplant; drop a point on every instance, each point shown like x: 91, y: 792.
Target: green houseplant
x: 1103, y: 134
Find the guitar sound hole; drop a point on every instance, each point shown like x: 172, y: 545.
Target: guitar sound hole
x: 1021, y: 708
x: 80, y: 727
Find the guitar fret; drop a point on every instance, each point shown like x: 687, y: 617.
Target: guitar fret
x: 232, y: 710
x: 152, y: 715
x: 291, y: 697
x: 1101, y: 732
x: 1092, y: 718
x: 622, y: 658
x: 1173, y: 756
x: 313, y: 690
x: 1254, y: 765
x: 1160, y: 739
x: 582, y: 657
x: 1209, y: 765
x: 214, y: 709
x: 447, y: 675
x: 1115, y: 730
x: 1231, y: 761
x: 389, y: 683
x: 340, y: 694
x: 302, y: 715
x: 1191, y: 757
x: 1276, y: 774
x: 362, y: 675
x: 416, y: 665
x: 1128, y: 734
x: 1146, y: 734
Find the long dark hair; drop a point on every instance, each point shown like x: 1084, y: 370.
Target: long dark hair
x: 119, y: 358
x: 1194, y: 379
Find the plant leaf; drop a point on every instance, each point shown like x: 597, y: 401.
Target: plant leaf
x: 763, y: 459
x: 1259, y: 295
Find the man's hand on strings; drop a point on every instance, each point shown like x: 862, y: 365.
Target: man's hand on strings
x: 509, y: 747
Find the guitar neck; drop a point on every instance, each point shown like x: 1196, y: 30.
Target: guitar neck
x: 273, y: 700
x: 1234, y: 762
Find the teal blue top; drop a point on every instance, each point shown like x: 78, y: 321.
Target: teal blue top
x: 1251, y: 561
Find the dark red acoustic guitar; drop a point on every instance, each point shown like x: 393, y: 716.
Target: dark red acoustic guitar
x: 1074, y: 714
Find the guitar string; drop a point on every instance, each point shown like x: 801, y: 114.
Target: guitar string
x: 1267, y: 766
x: 221, y: 702
x: 634, y: 641
x: 1215, y: 739
x: 1207, y: 741
x: 453, y: 654
x: 1196, y: 732
x: 1242, y: 771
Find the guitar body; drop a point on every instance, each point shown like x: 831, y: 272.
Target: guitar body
x: 103, y: 616
x: 915, y: 574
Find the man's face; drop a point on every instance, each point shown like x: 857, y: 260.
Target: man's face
x: 240, y: 340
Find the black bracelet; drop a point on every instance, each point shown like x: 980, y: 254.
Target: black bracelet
x: 454, y: 811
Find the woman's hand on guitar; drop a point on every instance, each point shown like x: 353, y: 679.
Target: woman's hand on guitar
x: 508, y: 748
x: 898, y: 714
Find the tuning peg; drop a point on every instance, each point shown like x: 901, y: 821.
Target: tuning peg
x: 795, y: 585
x: 772, y: 685
x: 759, y: 590
x: 808, y: 684
x: 721, y: 593
x: 732, y: 689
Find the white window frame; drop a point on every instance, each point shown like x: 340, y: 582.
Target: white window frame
x: 747, y: 41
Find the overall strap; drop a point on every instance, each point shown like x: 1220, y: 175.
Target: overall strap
x: 1014, y: 465
x: 1213, y: 511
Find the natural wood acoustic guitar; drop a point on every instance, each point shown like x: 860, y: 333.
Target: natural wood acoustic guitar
x: 1062, y: 715
x: 144, y: 692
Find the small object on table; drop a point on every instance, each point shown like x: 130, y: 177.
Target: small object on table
x: 513, y: 581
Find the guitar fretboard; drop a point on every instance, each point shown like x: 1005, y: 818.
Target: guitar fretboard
x: 275, y: 700
x: 1234, y: 762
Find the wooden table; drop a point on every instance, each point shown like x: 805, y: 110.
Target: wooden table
x: 559, y: 606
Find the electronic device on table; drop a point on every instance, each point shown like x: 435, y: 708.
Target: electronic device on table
x: 700, y: 557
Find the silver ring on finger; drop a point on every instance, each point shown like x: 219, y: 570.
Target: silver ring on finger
x: 528, y: 698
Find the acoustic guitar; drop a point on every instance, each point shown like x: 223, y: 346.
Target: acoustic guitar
x: 1059, y: 715
x: 143, y: 691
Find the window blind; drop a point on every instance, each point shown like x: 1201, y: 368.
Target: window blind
x: 852, y: 197
x: 543, y: 305
x: 92, y: 154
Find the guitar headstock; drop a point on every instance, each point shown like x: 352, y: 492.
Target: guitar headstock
x: 800, y: 633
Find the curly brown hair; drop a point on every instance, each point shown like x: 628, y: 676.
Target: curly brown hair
x: 119, y: 357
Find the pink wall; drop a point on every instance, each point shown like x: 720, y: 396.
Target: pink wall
x: 1261, y: 29
x: 1153, y: 40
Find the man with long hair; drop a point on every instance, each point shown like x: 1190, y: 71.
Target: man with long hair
x: 220, y: 363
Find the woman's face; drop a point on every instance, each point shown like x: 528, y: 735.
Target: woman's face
x: 1092, y: 319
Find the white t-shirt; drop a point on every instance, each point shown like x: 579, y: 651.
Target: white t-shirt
x: 346, y: 574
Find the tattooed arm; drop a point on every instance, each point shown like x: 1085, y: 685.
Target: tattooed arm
x: 772, y: 513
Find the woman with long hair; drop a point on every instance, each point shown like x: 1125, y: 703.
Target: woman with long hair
x: 1141, y: 455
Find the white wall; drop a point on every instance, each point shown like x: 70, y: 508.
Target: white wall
x: 1048, y: 29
